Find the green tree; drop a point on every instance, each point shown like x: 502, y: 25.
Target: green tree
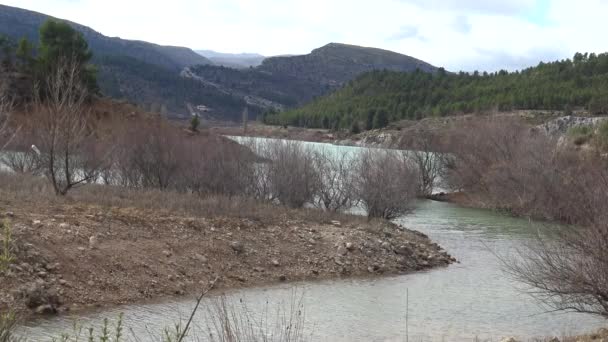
x: 194, y: 123
x: 6, y: 49
x: 59, y: 43
x: 354, y: 128
x: 381, y: 119
x: 25, y: 55
x: 369, y: 120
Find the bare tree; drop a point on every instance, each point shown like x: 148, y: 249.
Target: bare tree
x: 62, y: 123
x: 424, y: 148
x: 337, y: 192
x: 386, y: 183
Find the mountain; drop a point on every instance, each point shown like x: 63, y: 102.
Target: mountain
x: 336, y: 63
x: 376, y: 98
x: 17, y: 23
x: 290, y: 81
x: 237, y: 61
x: 179, y: 81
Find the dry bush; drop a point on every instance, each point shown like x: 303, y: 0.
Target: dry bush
x: 26, y: 161
x: 336, y: 192
x: 148, y: 155
x: 293, y: 173
x: 424, y: 148
x: 386, y: 183
x: 507, y: 165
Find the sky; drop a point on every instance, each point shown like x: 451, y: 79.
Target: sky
x: 468, y: 35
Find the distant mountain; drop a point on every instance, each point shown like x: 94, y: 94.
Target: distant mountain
x: 18, y: 23
x: 290, y: 81
x: 230, y: 60
x: 336, y: 63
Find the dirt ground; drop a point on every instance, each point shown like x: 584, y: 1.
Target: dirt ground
x: 72, y: 255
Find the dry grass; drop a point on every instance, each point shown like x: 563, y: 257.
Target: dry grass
x: 37, y: 191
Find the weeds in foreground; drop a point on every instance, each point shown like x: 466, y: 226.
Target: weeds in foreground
x: 7, y: 257
x: 8, y: 322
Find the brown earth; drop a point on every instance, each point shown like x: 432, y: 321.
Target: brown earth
x: 72, y: 253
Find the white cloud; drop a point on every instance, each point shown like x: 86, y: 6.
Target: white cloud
x: 456, y: 34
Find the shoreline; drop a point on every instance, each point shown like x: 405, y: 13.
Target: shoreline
x: 72, y: 257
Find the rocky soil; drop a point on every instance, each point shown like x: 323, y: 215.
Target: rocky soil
x: 70, y: 257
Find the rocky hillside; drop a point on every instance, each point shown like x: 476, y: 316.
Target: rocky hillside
x: 17, y: 23
x: 334, y: 63
x: 290, y: 81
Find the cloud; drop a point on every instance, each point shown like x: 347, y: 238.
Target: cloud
x: 503, y: 7
x: 461, y: 24
x: 407, y: 32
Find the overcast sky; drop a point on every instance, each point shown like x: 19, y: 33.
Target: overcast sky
x: 457, y: 34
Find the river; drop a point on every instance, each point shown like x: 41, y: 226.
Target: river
x: 471, y: 300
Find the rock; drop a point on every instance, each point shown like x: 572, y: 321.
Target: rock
x: 237, y: 246
x: 81, y: 249
x: 9, y: 214
x: 37, y: 224
x: 46, y: 309
x: 509, y: 339
x: 342, y: 250
x: 64, y: 225
x: 36, y: 296
x: 404, y: 250
x: 167, y: 253
x: 275, y: 263
x: 350, y: 246
x: 93, y: 243
x: 336, y: 223
x: 203, y: 259
x: 386, y: 245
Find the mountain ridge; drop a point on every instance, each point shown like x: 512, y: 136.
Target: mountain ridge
x: 17, y: 23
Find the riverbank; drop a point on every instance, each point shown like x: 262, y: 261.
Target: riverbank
x: 103, y: 246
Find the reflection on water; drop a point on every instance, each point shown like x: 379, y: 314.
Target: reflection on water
x: 459, y: 303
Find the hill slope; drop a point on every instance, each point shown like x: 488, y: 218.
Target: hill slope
x: 140, y: 72
x: 289, y: 81
x: 230, y: 60
x: 376, y: 98
x: 336, y: 63
x: 17, y: 23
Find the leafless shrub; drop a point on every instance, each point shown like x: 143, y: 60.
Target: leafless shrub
x: 386, y: 183
x: 22, y: 162
x: 148, y: 155
x: 337, y: 192
x: 61, y: 121
x: 213, y: 170
x: 425, y: 149
x: 567, y: 270
x: 293, y: 173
